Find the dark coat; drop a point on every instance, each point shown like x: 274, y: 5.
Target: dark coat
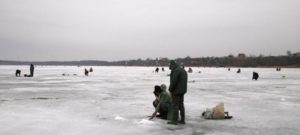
x: 178, y: 79
x: 31, y: 68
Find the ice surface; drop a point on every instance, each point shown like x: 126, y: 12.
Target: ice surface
x: 117, y: 101
x: 119, y: 118
x: 145, y: 121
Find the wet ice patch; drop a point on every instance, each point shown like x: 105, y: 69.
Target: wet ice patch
x: 2, y: 100
x: 43, y: 98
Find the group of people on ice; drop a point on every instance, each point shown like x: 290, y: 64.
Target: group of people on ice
x: 18, y: 72
x: 169, y: 105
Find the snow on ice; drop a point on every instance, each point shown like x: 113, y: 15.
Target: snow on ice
x: 117, y: 101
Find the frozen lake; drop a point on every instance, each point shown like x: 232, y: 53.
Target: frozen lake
x: 117, y: 101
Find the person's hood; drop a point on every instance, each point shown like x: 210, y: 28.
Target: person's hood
x: 173, y: 65
x: 163, y: 87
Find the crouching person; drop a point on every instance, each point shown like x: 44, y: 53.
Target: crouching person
x: 162, y: 102
x: 18, y: 73
x: 216, y: 113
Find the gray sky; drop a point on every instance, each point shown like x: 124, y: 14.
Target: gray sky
x: 131, y: 29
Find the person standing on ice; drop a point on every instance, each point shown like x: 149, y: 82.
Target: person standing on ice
x: 177, y: 88
x: 255, y: 76
x: 86, y: 72
x: 31, y: 70
x: 162, y: 102
x: 157, y: 70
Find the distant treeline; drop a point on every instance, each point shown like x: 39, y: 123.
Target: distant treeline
x: 229, y: 61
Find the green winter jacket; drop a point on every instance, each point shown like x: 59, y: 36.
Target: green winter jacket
x: 164, y: 97
x: 178, y: 79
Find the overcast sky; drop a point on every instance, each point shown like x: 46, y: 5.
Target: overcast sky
x: 129, y: 29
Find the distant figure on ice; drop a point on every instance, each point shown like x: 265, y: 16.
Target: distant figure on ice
x: 86, y: 72
x: 31, y: 71
x: 238, y: 71
x: 162, y: 102
x: 163, y: 69
x: 255, y: 76
x: 91, y: 69
x: 157, y: 70
x: 190, y: 70
x: 177, y: 88
x: 18, y: 73
x: 278, y: 69
x: 228, y: 69
x: 216, y: 112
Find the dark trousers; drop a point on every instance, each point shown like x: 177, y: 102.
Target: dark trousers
x: 178, y: 105
x: 163, y: 109
x: 31, y: 72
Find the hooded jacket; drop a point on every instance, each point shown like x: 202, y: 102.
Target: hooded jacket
x: 178, y: 79
x: 164, y: 97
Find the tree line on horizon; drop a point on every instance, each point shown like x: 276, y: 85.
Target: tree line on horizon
x: 227, y: 61
x: 268, y: 61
